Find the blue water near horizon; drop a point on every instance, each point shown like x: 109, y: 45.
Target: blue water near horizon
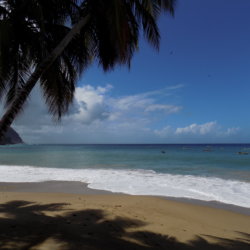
x: 218, y: 160
x: 202, y: 171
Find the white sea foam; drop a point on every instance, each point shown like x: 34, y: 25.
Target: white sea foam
x: 140, y: 182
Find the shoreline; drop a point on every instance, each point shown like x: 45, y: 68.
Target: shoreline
x: 139, y: 182
x: 77, y: 187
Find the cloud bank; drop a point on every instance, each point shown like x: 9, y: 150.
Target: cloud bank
x: 98, y: 117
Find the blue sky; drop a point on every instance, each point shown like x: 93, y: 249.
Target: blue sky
x: 195, y: 89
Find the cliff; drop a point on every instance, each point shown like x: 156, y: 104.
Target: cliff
x: 11, y: 137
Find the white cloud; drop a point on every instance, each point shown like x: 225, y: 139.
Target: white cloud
x: 166, y: 131
x: 89, y: 105
x: 197, y: 129
x: 98, y: 117
x: 144, y: 102
x: 197, y: 133
x: 168, y: 109
x: 232, y: 131
x: 131, y: 102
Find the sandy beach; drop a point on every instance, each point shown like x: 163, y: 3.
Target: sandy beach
x: 33, y: 217
x: 124, y: 125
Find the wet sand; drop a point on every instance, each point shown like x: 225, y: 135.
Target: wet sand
x: 76, y: 187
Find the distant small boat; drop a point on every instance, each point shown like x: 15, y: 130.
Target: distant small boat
x: 163, y: 152
x: 206, y: 150
x: 243, y: 153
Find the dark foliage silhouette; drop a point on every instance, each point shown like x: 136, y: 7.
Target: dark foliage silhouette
x: 54, y: 41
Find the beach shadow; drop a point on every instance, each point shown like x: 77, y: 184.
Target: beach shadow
x: 27, y: 225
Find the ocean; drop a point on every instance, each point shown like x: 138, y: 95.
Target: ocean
x: 214, y: 172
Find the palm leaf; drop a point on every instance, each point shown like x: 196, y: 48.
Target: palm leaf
x: 30, y: 31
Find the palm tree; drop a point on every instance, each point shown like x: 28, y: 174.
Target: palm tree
x: 106, y: 31
x: 29, y: 31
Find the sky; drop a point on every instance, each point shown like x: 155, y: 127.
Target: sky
x: 194, y: 90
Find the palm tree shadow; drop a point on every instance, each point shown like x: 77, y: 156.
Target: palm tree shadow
x: 26, y: 225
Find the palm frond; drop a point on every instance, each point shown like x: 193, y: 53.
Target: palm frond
x: 58, y: 84
x: 31, y: 29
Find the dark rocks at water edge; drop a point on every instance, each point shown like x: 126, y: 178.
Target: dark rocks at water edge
x: 11, y: 137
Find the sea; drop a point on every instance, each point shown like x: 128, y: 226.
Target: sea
x: 207, y: 172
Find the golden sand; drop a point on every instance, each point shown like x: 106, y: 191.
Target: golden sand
x: 74, y: 221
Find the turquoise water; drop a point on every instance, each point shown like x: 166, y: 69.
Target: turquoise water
x: 200, y: 160
x: 205, y: 172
